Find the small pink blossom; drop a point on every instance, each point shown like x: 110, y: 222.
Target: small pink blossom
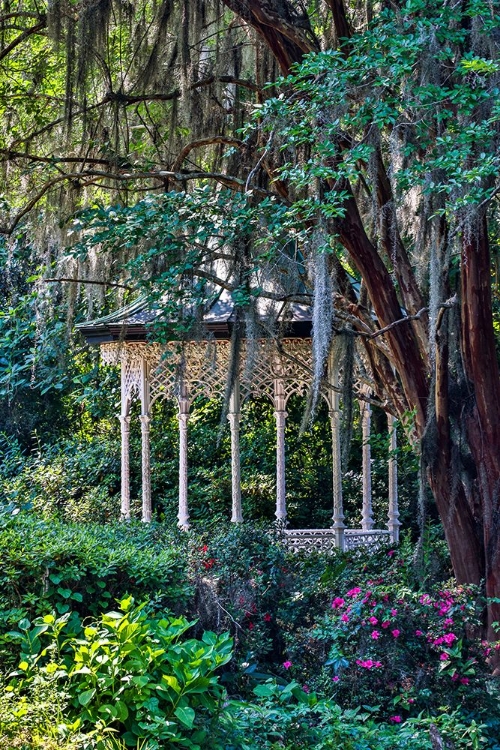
x: 449, y: 638
x: 338, y: 602
x: 391, y: 552
x: 448, y: 623
x: 396, y: 719
x: 419, y: 633
x: 464, y: 680
x: 354, y: 592
x: 336, y: 678
x: 345, y: 618
x: 375, y: 635
x: 394, y: 612
x: 395, y: 633
x: 306, y: 689
x: 425, y: 599
x: 287, y: 664
x: 455, y: 676
x: 372, y: 620
x: 368, y: 663
x: 444, y: 656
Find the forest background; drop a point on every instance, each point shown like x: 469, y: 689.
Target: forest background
x: 340, y: 155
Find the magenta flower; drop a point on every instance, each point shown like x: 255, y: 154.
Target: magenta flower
x: 394, y: 612
x: 396, y: 719
x: 418, y: 633
x: 464, y: 680
x: 287, y: 664
x: 448, y: 623
x: 372, y: 620
x: 338, y: 602
x: 354, y: 592
x: 375, y: 635
x: 395, y: 633
x: 391, y: 553
x: 449, y: 638
x: 345, y: 618
x: 444, y: 656
x: 336, y: 678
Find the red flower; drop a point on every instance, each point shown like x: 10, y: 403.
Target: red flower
x: 267, y: 617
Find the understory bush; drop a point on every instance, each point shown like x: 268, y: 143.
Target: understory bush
x: 49, y: 565
x: 127, y: 671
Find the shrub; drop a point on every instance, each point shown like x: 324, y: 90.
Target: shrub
x: 51, y: 565
x: 129, y: 671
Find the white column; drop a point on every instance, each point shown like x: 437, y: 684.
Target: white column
x: 183, y: 417
x: 234, y: 424
x: 338, y: 507
x: 125, y: 475
x: 146, y: 458
x: 280, y: 416
x: 367, y: 517
x: 393, y: 516
x: 125, y: 440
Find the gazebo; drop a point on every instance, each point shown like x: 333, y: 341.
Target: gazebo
x: 184, y: 370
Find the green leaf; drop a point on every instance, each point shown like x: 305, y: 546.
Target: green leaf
x: 85, y: 697
x: 186, y: 715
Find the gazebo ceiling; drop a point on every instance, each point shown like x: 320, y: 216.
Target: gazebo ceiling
x: 133, y: 322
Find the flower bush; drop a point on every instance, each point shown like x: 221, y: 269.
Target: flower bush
x: 403, y: 650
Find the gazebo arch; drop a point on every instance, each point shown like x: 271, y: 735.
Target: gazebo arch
x: 181, y: 371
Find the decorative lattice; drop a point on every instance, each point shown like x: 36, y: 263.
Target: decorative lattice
x: 203, y: 367
x: 323, y: 540
x: 375, y: 539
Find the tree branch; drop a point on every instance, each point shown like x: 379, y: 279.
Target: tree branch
x: 20, y: 39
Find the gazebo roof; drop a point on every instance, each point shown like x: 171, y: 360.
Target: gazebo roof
x: 132, y: 322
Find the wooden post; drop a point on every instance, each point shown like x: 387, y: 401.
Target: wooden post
x: 393, y: 517
x: 146, y: 458
x: 367, y: 516
x: 234, y: 424
x: 280, y: 416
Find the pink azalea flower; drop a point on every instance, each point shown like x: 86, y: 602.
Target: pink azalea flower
x: 454, y: 676
x: 395, y: 633
x: 449, y: 638
x: 354, y: 592
x: 287, y: 664
x: 394, y: 612
x: 448, y: 622
x: 386, y: 623
x: 375, y: 635
x: 345, y: 618
x: 396, y: 719
x: 391, y: 553
x: 419, y: 633
x: 338, y: 602
x: 444, y: 656
x: 336, y: 678
x: 464, y: 680
x: 306, y: 689
x: 372, y: 620
x: 425, y: 599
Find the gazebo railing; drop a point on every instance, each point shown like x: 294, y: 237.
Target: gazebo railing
x: 323, y: 540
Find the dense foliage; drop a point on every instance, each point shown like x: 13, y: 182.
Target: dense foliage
x: 306, y: 670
